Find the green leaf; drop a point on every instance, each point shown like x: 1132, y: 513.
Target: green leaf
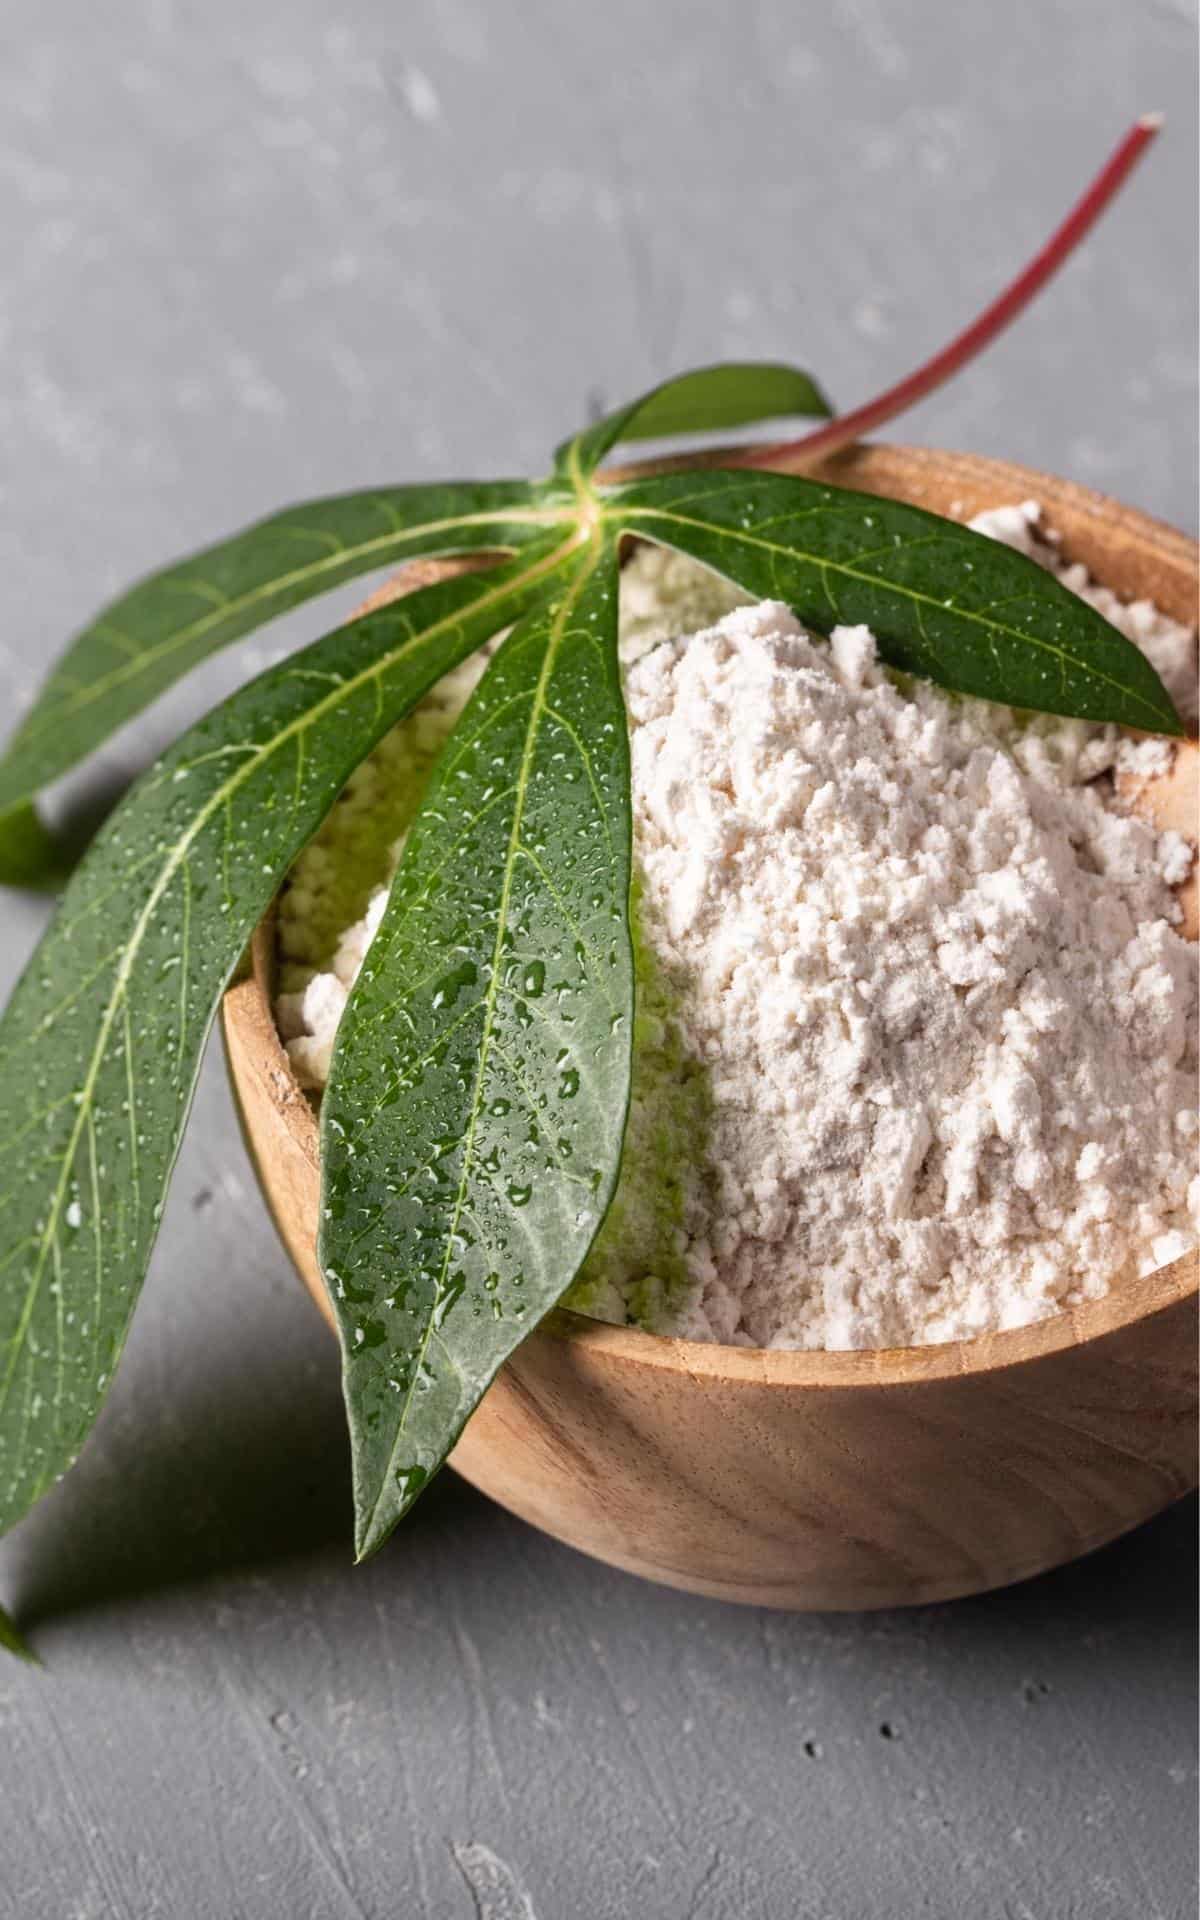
x: 734, y: 393
x: 30, y: 856
x: 471, y: 1131
x: 12, y: 1640
x: 943, y: 602
x: 101, y: 1042
x: 151, y: 636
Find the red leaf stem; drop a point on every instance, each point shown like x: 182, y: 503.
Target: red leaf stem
x: 1061, y: 244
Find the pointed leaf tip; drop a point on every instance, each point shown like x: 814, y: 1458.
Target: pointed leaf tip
x: 30, y: 855
x: 13, y: 1641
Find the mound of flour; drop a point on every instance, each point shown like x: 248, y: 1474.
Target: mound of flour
x: 916, y: 1046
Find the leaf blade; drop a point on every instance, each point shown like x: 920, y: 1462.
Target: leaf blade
x: 1009, y: 631
x: 30, y: 856
x: 102, y: 1039
x: 148, y: 638
x: 731, y: 393
x: 13, y: 1641
x: 457, y: 1202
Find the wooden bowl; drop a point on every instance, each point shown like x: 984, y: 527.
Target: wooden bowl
x: 820, y: 1480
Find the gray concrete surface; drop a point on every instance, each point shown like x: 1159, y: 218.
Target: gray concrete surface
x: 253, y: 252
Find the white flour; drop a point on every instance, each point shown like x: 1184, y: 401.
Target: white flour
x: 915, y: 1052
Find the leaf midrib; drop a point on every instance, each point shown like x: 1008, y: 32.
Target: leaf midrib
x: 848, y: 571
x: 576, y: 586
x: 178, y: 853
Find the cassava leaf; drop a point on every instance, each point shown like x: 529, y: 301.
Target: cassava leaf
x: 30, y: 856
x: 101, y: 1042
x: 943, y: 602
x: 152, y: 635
x: 732, y: 394
x: 471, y: 1130
x: 12, y: 1641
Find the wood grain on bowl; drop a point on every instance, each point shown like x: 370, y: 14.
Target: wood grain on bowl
x: 821, y: 1480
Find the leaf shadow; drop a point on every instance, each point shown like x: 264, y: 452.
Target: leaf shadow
x: 83, y: 810
x: 256, y: 1479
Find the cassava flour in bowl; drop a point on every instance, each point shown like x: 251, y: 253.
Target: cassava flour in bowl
x: 915, y: 1055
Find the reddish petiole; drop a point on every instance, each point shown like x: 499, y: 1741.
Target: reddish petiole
x: 850, y: 427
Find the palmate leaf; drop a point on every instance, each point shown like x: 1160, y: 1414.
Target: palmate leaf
x: 152, y: 635
x: 448, y: 1219
x: 101, y: 1042
x: 734, y: 393
x: 12, y: 1641
x: 943, y: 602
x: 471, y: 1130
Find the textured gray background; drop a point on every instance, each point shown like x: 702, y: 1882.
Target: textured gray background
x: 256, y: 251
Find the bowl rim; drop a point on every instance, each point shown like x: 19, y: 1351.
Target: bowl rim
x: 247, y: 1010
x: 1130, y: 1301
